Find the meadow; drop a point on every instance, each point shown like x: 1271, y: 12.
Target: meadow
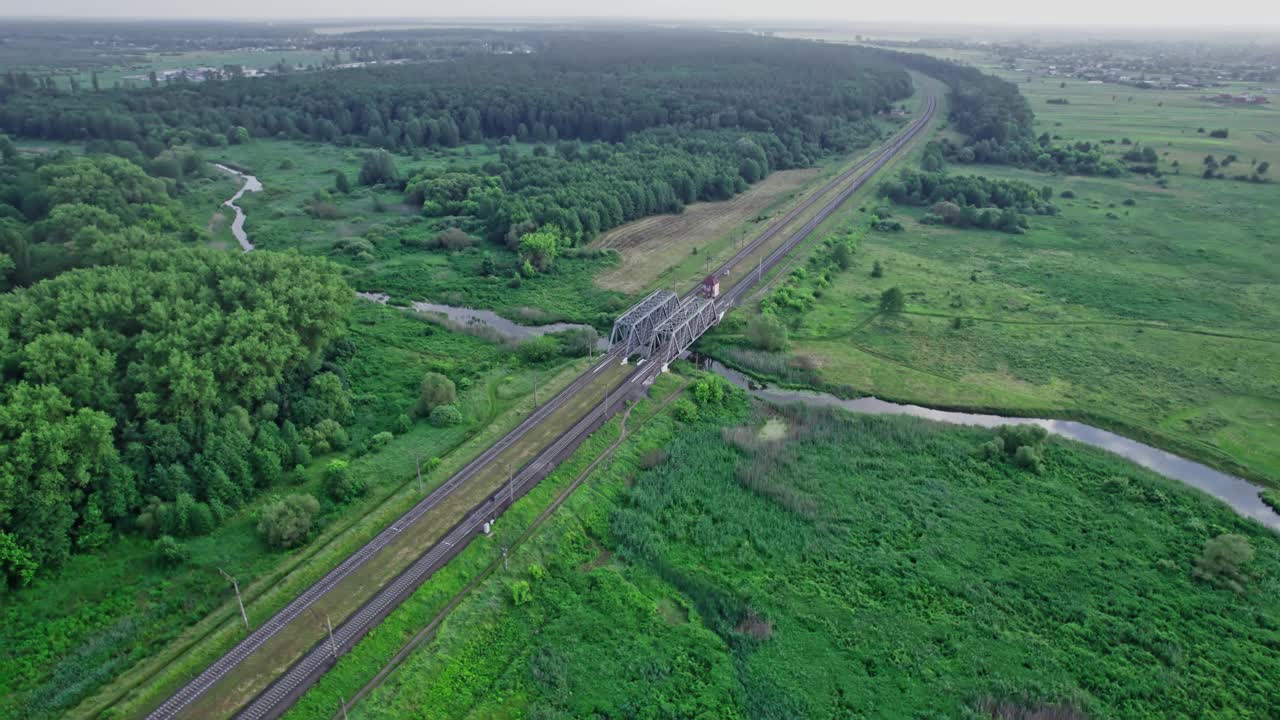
x: 783, y: 562
x: 1144, y: 307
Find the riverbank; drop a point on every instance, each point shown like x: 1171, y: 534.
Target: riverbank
x: 1241, y: 495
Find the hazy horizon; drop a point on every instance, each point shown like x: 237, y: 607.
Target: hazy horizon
x: 1240, y: 15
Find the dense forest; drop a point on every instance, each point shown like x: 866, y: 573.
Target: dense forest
x: 997, y: 122
x: 597, y: 86
x: 144, y: 382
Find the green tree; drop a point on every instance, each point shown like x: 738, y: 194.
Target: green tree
x: 169, y: 552
x: 287, y: 522
x: 766, y: 332
x: 340, y: 484
x: 1225, y: 560
x: 445, y: 415
x: 892, y: 301
x: 341, y: 183
x: 877, y: 270
x: 540, y: 248
x: 435, y: 390
x: 378, y: 167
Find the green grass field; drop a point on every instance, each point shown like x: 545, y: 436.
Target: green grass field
x: 861, y: 566
x: 1151, y: 310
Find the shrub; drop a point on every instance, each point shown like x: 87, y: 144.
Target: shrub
x: 1066, y: 194
x: 711, y: 390
x: 380, y: 440
x: 169, y: 552
x: 378, y: 167
x: 521, y: 593
x: 403, y: 423
x: 892, y: 301
x: 339, y: 484
x: 538, y: 349
x: 1219, y: 133
x: 1224, y: 560
x: 454, y: 239
x: 443, y: 415
x: 287, y: 522
x: 579, y: 341
x: 685, y: 411
x: 435, y: 390
x: 877, y: 270
x: 766, y: 332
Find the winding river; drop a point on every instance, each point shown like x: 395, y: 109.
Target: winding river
x: 251, y: 184
x: 1242, y: 495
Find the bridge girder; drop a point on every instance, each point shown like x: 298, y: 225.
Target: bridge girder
x: 635, y: 327
x: 678, y: 332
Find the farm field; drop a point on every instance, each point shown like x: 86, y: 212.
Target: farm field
x: 1150, y: 310
x: 784, y: 562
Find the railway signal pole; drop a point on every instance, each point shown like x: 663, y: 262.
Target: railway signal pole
x: 333, y: 646
x: 239, y: 600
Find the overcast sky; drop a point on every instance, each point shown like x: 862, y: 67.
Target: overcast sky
x: 1244, y: 13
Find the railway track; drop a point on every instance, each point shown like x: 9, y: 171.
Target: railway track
x: 281, y: 693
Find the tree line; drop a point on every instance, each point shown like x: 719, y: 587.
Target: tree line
x: 972, y: 200
x: 602, y: 85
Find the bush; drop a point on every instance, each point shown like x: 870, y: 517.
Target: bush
x: 403, y: 423
x: 711, y: 390
x: 1224, y: 560
x: 454, y: 239
x: 339, y: 484
x: 892, y: 301
x: 435, y: 390
x: 380, y: 440
x: 1066, y: 194
x: 169, y: 552
x: 766, y: 332
x: 538, y: 349
x: 378, y: 167
x: 578, y: 342
x: 685, y: 411
x: 287, y: 522
x: 444, y: 415
x: 1219, y: 133
x: 877, y: 270
x: 521, y: 593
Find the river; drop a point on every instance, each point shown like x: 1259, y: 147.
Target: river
x: 471, y: 317
x: 1241, y: 495
x: 251, y: 184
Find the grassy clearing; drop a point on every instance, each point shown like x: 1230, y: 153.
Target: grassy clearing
x: 1157, y: 318
x: 655, y: 247
x: 123, y: 625
x: 841, y: 572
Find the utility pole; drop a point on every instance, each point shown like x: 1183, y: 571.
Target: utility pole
x: 343, y: 704
x: 239, y: 600
x: 504, y: 558
x: 333, y: 646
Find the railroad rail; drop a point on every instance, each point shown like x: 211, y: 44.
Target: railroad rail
x: 281, y: 693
